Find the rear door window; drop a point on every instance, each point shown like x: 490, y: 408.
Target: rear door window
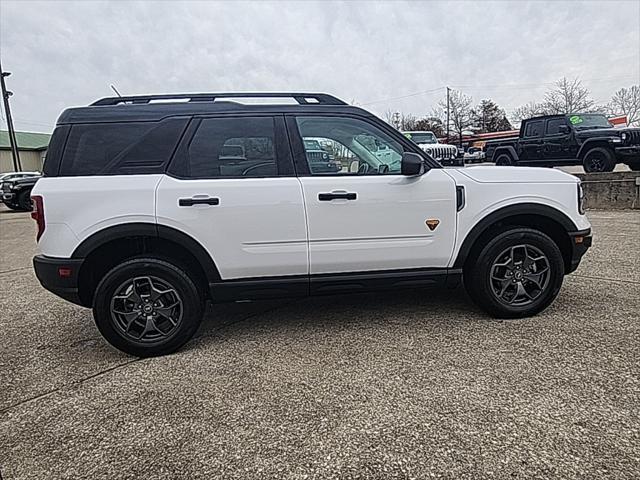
x: 233, y: 147
x: 533, y: 129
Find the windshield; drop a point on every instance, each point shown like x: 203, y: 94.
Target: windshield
x: 421, y: 137
x: 312, y: 145
x: 589, y: 121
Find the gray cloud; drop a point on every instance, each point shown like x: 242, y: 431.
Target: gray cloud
x: 67, y: 53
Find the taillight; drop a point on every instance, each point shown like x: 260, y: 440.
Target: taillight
x: 38, y: 214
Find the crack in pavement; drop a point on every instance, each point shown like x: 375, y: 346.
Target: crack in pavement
x: 607, y: 279
x: 15, y: 270
x: 135, y: 360
x: 66, y: 385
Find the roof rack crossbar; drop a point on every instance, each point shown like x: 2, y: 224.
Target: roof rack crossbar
x: 301, y: 98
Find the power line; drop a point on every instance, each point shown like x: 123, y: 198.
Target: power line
x: 415, y: 94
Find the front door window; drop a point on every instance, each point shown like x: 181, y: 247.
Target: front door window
x: 348, y: 146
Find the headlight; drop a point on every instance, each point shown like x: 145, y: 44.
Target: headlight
x: 580, y: 199
x: 624, y: 136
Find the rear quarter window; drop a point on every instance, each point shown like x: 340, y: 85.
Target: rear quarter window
x: 120, y: 148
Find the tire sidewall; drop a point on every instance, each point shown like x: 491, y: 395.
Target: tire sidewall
x: 609, y: 161
x: 172, y: 274
x: 24, y: 201
x: 480, y: 273
x: 504, y: 160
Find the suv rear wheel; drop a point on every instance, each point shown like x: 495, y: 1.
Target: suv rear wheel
x: 147, y: 307
x: 599, y: 159
x: 518, y: 273
x: 504, y: 160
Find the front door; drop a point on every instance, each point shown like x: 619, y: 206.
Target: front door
x: 558, y: 141
x: 232, y: 188
x: 367, y: 216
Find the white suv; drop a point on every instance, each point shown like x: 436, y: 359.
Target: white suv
x: 144, y: 216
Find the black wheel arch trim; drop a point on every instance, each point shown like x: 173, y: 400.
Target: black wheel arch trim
x: 141, y: 229
x: 506, y: 212
x: 507, y: 149
x: 594, y: 142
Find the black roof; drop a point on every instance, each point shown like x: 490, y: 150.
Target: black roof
x: 157, y: 107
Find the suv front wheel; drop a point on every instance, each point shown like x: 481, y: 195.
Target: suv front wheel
x: 518, y: 273
x: 599, y: 159
x: 147, y: 307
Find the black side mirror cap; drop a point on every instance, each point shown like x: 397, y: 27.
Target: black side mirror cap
x: 563, y: 129
x: 412, y: 164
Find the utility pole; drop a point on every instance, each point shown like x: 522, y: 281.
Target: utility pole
x: 448, y: 114
x: 12, y: 133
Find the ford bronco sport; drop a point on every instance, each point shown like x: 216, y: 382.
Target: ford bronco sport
x: 152, y: 206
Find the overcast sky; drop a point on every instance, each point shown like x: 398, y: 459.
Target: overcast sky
x: 67, y: 53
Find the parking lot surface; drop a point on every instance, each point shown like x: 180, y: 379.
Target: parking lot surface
x: 391, y: 385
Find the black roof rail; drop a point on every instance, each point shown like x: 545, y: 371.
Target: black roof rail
x: 301, y: 98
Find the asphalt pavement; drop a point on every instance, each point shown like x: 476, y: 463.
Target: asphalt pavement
x: 390, y: 385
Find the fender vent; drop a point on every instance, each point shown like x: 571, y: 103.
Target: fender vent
x: 460, y: 198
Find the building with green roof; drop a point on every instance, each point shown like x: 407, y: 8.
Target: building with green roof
x: 31, y: 146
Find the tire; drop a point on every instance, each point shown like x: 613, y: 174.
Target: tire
x: 599, y: 159
x: 13, y: 206
x: 24, y: 201
x: 486, y: 274
x: 147, y: 307
x: 504, y: 160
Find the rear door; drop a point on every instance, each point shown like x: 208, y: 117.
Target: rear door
x: 231, y: 187
x: 367, y: 216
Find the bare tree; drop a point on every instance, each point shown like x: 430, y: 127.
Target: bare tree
x: 568, y: 96
x: 531, y: 109
x: 460, y: 116
x: 408, y: 122
x: 388, y: 116
x: 626, y: 101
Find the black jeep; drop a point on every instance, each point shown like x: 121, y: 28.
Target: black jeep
x: 575, y: 139
x: 16, y: 193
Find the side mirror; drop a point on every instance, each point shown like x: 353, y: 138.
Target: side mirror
x: 412, y: 164
x: 563, y: 129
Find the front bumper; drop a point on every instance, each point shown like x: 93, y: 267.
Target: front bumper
x: 8, y: 197
x: 59, y: 276
x: 580, y: 242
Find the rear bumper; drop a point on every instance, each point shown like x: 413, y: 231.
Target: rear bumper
x: 580, y: 242
x: 59, y: 276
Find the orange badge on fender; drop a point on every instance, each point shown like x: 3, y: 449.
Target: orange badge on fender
x: 432, y: 223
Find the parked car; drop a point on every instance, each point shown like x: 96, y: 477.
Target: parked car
x: 16, y: 192
x: 139, y: 220
x: 474, y: 155
x: 586, y: 139
x: 442, y: 152
x: 5, y: 177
